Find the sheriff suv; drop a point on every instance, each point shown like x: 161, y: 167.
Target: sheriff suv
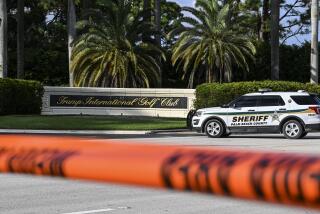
x: 292, y: 113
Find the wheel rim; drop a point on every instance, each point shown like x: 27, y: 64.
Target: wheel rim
x: 213, y: 128
x: 292, y: 129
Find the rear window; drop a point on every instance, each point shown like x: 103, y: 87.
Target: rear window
x: 306, y: 100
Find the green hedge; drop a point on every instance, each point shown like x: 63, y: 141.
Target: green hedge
x: 20, y: 97
x: 215, y: 94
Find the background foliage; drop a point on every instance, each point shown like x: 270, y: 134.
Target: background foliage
x: 46, y: 39
x: 20, y: 97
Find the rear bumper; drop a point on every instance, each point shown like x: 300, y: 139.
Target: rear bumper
x: 313, y: 127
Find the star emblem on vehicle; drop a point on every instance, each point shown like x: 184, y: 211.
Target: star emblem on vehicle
x: 275, y: 116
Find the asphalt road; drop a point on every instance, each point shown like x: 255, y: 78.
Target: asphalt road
x: 27, y: 194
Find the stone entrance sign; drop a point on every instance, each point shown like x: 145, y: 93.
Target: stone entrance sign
x: 117, y: 101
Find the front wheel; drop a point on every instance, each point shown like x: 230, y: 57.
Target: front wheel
x: 214, y: 128
x: 304, y: 134
x: 292, y: 129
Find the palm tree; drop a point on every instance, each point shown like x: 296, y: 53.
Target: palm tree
x: 20, y: 40
x: 209, y: 41
x: 157, y: 15
x: 265, y: 34
x: 157, y: 6
x: 275, y: 11
x: 314, y: 43
x: 71, y: 36
x: 113, y: 54
x: 3, y: 39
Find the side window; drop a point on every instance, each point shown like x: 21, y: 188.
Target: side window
x: 271, y: 100
x: 247, y: 101
x: 305, y: 100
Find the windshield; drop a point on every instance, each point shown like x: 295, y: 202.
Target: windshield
x: 234, y: 101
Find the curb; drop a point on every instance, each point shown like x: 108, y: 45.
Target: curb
x: 74, y: 132
x: 168, y: 131
x: 90, y: 132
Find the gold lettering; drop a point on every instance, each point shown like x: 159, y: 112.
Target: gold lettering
x: 148, y: 103
x: 65, y: 100
x: 170, y: 102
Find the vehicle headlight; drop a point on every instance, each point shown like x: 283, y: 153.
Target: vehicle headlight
x: 198, y: 113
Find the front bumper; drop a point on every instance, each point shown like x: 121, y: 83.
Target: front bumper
x: 196, y: 124
x: 197, y: 129
x: 313, y: 127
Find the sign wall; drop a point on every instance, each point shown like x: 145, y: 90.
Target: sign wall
x: 114, y: 101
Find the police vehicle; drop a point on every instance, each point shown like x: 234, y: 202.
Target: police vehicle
x: 292, y: 113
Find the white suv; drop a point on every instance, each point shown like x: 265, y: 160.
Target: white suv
x: 292, y: 113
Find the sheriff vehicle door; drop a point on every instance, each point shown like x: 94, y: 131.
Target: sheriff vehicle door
x: 241, y: 112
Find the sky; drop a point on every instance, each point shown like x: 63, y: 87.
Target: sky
x: 289, y: 41
x: 186, y: 2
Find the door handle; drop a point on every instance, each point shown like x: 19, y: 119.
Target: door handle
x: 282, y: 109
x: 251, y: 110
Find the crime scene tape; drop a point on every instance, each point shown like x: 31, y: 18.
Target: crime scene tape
x: 286, y: 178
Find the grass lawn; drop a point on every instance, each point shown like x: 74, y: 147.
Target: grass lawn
x: 89, y: 122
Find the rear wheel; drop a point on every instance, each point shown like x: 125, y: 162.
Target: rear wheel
x: 214, y: 128
x: 292, y: 129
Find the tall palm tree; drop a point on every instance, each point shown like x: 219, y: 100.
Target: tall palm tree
x: 20, y: 40
x: 71, y: 36
x: 157, y: 7
x: 147, y: 15
x: 3, y: 39
x: 157, y: 15
x: 275, y: 11
x: 314, y: 42
x: 113, y: 54
x: 210, y: 41
x: 265, y: 34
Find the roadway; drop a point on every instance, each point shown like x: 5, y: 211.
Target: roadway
x: 33, y: 195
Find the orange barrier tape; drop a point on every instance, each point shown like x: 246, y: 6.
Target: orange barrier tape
x: 273, y: 177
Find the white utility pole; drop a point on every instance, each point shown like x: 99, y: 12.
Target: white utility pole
x: 314, y: 65
x: 3, y: 39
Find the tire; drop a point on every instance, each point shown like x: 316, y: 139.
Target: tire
x: 293, y: 129
x: 304, y: 134
x: 214, y: 128
x: 226, y: 134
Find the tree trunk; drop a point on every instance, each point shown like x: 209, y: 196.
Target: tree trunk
x: 20, y: 40
x: 71, y: 36
x: 227, y: 76
x: 3, y: 39
x: 314, y: 43
x: 147, y: 7
x: 157, y: 7
x: 275, y: 10
x: 264, y: 32
x: 157, y: 19
x: 86, y: 5
x: 146, y: 18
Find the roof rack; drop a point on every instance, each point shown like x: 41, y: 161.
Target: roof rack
x: 263, y: 90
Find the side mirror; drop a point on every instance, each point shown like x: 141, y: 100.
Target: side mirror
x: 234, y: 106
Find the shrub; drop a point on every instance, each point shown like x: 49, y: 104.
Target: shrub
x: 215, y: 94
x: 20, y: 97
